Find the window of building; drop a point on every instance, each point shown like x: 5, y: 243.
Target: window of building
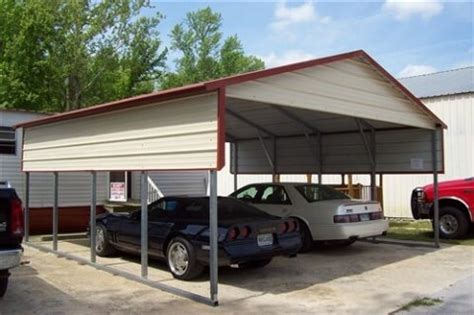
x: 7, y: 140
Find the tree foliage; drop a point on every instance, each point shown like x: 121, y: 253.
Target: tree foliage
x: 59, y: 55
x: 204, y: 55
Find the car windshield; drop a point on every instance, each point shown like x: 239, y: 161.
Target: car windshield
x: 314, y: 193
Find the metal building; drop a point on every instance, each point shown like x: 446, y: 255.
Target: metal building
x: 450, y: 95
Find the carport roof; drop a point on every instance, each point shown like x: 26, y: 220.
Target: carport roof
x: 222, y: 83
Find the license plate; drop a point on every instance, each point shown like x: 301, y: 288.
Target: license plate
x: 265, y: 239
x: 365, y: 217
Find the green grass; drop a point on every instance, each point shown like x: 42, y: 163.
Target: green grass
x: 420, y: 230
x: 417, y: 303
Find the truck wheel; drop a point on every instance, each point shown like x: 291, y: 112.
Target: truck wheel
x: 4, y: 274
x: 453, y: 223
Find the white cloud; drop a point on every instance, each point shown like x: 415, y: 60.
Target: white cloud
x: 412, y: 70
x: 289, y: 56
x: 287, y: 15
x: 404, y: 9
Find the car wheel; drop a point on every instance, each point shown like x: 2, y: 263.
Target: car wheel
x: 452, y: 223
x: 182, y: 260
x: 306, y: 237
x: 3, y: 282
x: 255, y: 264
x: 103, y: 247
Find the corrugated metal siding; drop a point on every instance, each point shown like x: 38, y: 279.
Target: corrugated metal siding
x: 458, y: 113
x: 226, y: 179
x: 74, y: 188
x: 342, y: 153
x: 346, y: 88
x: 179, y: 134
x: 189, y: 183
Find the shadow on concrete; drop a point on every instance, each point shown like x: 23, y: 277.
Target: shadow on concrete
x: 323, y: 264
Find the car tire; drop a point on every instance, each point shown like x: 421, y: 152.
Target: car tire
x: 182, y: 260
x: 306, y: 237
x: 256, y: 264
x: 4, y: 274
x: 103, y: 248
x: 453, y: 224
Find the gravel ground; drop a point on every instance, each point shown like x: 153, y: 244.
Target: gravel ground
x: 362, y: 279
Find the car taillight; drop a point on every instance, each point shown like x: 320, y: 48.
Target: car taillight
x: 346, y: 218
x: 292, y: 226
x: 233, y: 234
x: 284, y: 226
x: 16, y: 222
x: 238, y: 232
x: 245, y: 232
x: 376, y: 215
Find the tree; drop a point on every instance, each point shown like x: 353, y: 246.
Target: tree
x: 203, y: 56
x: 61, y: 55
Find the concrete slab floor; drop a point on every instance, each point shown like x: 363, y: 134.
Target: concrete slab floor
x: 364, y: 279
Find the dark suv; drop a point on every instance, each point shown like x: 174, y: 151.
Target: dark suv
x: 11, y: 233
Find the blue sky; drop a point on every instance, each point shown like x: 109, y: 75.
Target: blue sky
x: 406, y: 37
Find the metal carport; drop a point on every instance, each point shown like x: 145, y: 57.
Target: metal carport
x: 334, y: 115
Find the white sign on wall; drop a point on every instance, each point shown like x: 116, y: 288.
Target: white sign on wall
x: 117, y: 191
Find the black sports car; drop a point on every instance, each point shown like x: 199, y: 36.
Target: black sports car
x: 179, y: 232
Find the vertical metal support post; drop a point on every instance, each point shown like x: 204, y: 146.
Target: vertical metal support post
x: 93, y: 215
x: 27, y: 207
x: 320, y: 171
x: 144, y: 222
x: 236, y: 169
x: 435, y: 186
x: 213, y: 233
x: 55, y: 212
x: 373, y: 174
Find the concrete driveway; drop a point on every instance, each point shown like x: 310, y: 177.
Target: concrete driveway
x: 362, y: 279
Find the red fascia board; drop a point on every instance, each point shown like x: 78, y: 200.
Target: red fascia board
x: 221, y: 105
x: 140, y: 100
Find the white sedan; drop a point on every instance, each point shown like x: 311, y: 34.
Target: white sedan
x: 324, y: 213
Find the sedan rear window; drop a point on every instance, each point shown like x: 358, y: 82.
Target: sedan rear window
x: 314, y: 193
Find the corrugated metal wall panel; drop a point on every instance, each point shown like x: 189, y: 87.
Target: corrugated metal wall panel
x: 74, y: 188
x: 397, y: 151
x: 189, y: 183
x: 302, y: 90
x: 179, y: 134
x: 457, y: 112
x: 226, y: 179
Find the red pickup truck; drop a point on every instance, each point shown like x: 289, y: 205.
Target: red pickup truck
x: 456, y: 206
